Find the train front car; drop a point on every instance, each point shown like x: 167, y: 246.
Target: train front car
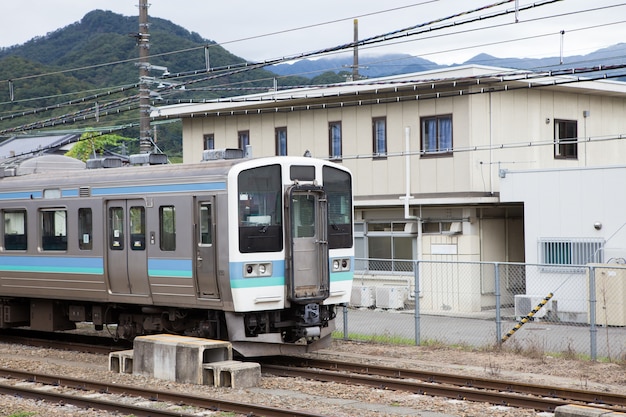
x: 291, y: 253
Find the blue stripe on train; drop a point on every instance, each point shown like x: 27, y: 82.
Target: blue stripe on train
x: 133, y: 189
x: 178, y: 268
x: 237, y: 280
x: 165, y: 188
x: 65, y: 264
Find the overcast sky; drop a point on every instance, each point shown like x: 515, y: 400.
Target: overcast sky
x: 257, y: 31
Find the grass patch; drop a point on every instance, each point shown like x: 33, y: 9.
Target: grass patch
x: 375, y: 338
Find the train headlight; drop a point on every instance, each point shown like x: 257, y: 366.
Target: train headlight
x: 265, y: 269
x: 341, y: 264
x: 257, y: 270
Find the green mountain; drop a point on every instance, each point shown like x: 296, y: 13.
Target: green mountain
x: 89, y: 68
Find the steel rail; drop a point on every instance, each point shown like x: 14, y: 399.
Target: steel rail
x: 453, y: 392
x: 154, y: 395
x: 67, y: 341
x: 496, y: 396
x: 88, y: 403
x: 568, y: 394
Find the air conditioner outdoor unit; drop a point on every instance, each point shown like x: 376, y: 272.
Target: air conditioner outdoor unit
x: 524, y: 304
x: 391, y: 297
x: 362, y: 296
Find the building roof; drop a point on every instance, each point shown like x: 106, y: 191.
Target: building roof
x: 451, y: 81
x: 33, y: 145
x: 15, y: 150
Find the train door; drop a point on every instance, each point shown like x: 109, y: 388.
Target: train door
x: 127, y: 261
x: 206, y: 265
x: 308, y: 261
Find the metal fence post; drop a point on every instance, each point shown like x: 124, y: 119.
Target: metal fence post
x: 498, y: 304
x: 345, y: 321
x: 416, y: 277
x: 593, y: 331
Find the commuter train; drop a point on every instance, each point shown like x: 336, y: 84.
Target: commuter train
x: 256, y: 251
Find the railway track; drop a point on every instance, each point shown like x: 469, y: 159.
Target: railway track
x: 64, y: 341
x: 494, y: 391
x: 463, y: 387
x: 82, y: 400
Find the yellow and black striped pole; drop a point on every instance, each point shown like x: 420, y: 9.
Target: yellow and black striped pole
x: 525, y: 319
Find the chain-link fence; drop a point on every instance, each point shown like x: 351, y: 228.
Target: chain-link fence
x: 571, y: 310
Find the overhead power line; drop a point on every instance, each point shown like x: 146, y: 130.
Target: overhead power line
x: 234, y: 69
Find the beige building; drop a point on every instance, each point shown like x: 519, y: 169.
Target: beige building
x: 427, y: 151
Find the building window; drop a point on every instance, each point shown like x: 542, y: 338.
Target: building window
x: 281, y: 141
x: 443, y: 227
x: 15, y: 229
x: 167, y: 228
x: 436, y: 135
x: 85, y: 229
x: 568, y: 251
x: 209, y: 141
x: 244, y: 139
x: 334, y: 140
x: 379, y: 135
x: 565, y: 139
x: 389, y: 246
x: 54, y: 230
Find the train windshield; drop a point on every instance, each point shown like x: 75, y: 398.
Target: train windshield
x: 338, y: 186
x: 260, y: 210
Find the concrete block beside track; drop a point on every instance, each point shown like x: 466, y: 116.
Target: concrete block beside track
x: 234, y: 374
x: 177, y: 358
x: 584, y: 411
x: 121, y: 361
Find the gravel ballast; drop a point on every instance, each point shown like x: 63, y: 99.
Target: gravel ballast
x: 330, y: 399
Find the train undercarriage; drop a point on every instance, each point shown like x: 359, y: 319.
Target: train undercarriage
x: 298, y: 324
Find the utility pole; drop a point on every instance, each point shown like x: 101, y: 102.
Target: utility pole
x: 355, y: 57
x: 143, y: 41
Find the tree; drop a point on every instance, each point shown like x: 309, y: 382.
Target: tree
x: 92, y: 144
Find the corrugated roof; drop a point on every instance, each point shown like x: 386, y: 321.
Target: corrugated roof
x: 32, y: 145
x: 17, y: 150
x: 477, y: 75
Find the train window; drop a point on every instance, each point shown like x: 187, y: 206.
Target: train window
x: 167, y: 228
x: 116, y: 228
x: 302, y: 173
x: 260, y: 208
x: 206, y: 224
x: 53, y: 229
x: 338, y: 187
x: 303, y: 207
x: 137, y: 217
x: 85, y: 229
x: 14, y: 229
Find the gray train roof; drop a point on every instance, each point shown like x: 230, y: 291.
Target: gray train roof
x: 128, y: 175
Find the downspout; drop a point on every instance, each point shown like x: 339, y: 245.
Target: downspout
x: 407, y: 192
x: 491, y: 165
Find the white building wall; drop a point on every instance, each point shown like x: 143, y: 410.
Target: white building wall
x: 569, y: 204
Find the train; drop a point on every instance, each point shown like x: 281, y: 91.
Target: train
x: 255, y: 251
